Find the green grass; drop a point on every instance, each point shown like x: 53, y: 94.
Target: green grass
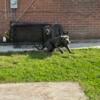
x: 83, y: 66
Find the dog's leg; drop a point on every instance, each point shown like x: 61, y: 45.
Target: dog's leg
x: 60, y: 50
x: 50, y: 47
x: 67, y: 47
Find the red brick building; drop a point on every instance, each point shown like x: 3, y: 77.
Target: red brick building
x: 80, y: 17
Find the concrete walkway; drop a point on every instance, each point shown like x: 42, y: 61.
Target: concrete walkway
x: 11, y: 48
x: 42, y: 91
x: 85, y: 45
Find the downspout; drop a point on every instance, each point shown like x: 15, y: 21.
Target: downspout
x: 5, y: 9
x: 13, y: 15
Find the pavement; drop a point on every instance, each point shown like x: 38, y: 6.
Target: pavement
x: 85, y: 45
x: 22, y: 48
x: 42, y: 91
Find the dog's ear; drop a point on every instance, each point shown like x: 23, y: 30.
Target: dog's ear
x: 67, y: 33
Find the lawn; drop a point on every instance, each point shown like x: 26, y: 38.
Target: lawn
x: 83, y: 66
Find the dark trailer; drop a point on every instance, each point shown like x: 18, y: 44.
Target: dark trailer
x: 32, y: 32
x: 27, y: 32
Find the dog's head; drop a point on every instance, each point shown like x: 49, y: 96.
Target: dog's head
x: 47, y: 29
x: 65, y: 39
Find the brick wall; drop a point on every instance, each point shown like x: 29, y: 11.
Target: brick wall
x: 80, y: 17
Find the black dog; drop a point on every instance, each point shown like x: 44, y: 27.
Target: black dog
x: 55, y: 38
x: 58, y: 42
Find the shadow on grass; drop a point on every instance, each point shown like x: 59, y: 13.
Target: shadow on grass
x: 31, y: 54
x: 38, y: 55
